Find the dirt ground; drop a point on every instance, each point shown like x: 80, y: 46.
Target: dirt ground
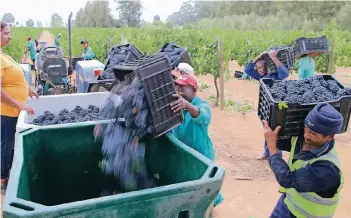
x: 238, y: 141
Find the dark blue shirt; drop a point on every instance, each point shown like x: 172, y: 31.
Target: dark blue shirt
x: 281, y: 74
x: 321, y: 177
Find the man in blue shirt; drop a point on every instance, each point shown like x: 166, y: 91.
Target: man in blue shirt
x: 257, y: 70
x: 88, y: 53
x: 312, y: 180
x: 197, y: 118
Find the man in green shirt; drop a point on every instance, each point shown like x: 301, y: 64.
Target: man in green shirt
x: 57, y: 40
x: 306, y: 67
x: 197, y: 118
x: 31, y: 48
x: 88, y: 53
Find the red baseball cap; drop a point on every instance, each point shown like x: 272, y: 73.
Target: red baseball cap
x: 187, y: 80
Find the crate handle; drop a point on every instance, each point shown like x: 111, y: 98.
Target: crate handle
x: 21, y: 206
x: 213, y: 172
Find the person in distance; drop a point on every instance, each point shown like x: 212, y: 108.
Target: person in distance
x: 257, y: 70
x: 311, y: 181
x: 32, y: 49
x: 57, y: 40
x: 88, y: 53
x: 197, y: 118
x: 306, y: 66
x: 182, y: 69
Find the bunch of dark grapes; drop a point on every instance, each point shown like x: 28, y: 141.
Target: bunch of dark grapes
x: 311, y: 90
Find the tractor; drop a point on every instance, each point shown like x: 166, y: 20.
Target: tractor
x: 52, y: 77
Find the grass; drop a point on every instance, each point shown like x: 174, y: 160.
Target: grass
x: 204, y: 86
x: 237, y: 106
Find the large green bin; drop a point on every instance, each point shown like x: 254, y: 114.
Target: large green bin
x: 56, y: 173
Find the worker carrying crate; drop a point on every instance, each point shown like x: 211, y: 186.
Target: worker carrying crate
x: 312, y: 180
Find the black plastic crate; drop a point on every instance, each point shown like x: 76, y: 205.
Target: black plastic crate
x: 284, y: 55
x: 292, y: 119
x: 183, y: 57
x: 156, y: 78
x: 129, y: 50
x: 125, y: 68
x: 303, y: 46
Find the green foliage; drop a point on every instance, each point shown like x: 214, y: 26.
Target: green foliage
x: 303, y: 13
x: 238, y: 106
x: 95, y: 14
x: 8, y: 18
x: 201, y: 44
x: 16, y: 48
x: 30, y: 23
x: 282, y: 105
x: 130, y: 12
x: 56, y: 21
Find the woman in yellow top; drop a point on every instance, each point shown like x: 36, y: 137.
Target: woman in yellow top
x: 14, y: 94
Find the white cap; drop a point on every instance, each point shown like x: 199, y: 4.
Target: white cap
x: 186, y: 68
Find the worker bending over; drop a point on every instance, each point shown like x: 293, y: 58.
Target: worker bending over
x: 197, y: 118
x: 257, y: 70
x: 312, y: 180
x: 88, y: 53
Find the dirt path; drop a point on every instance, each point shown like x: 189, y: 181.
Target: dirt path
x: 238, y: 140
x: 48, y: 37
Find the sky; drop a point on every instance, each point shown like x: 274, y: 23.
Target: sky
x: 24, y: 10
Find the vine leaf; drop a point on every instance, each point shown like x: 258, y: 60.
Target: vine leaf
x: 282, y: 105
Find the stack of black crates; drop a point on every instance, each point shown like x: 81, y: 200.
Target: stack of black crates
x: 301, y: 46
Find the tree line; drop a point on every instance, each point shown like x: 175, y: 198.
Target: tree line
x: 256, y: 15
x: 240, y: 15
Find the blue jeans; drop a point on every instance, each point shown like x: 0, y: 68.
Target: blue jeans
x: 281, y: 210
x: 266, y: 151
x: 8, y: 130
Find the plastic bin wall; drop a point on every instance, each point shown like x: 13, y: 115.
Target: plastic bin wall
x: 56, y: 103
x: 85, y: 74
x: 27, y: 73
x: 56, y: 174
x: 292, y: 119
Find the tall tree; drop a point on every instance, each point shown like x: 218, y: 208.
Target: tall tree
x: 130, y: 12
x: 8, y: 18
x: 186, y: 14
x: 157, y: 19
x: 95, y: 14
x: 343, y: 18
x: 39, y: 24
x: 30, y: 23
x: 56, y: 20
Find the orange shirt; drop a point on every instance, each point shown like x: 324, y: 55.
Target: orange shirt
x: 13, y: 83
